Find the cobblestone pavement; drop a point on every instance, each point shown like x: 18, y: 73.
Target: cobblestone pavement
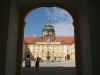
x: 54, y: 64
x: 50, y: 71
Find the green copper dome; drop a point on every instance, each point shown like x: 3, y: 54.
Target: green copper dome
x: 48, y: 27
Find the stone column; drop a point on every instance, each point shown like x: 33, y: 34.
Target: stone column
x: 13, y: 40
x: 4, y: 21
x: 85, y: 45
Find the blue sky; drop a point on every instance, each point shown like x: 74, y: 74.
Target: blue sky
x: 38, y: 18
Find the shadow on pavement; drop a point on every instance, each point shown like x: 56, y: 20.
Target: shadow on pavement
x: 50, y: 71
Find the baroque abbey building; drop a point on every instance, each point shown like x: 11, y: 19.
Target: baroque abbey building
x: 49, y: 47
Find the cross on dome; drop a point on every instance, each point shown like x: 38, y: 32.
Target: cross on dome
x: 48, y: 23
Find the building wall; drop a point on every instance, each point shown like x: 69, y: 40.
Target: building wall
x: 56, y: 49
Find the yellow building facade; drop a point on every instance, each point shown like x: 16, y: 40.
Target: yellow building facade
x: 56, y: 51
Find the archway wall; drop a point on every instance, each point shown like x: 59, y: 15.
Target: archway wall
x: 79, y: 11
x: 4, y: 15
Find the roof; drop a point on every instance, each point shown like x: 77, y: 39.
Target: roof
x: 48, y: 27
x: 65, y: 40
x: 33, y: 39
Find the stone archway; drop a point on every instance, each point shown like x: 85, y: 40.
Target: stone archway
x: 16, y: 24
x: 74, y: 14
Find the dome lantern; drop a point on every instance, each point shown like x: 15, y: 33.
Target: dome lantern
x: 48, y: 31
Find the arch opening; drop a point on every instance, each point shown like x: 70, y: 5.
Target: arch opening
x: 69, y: 46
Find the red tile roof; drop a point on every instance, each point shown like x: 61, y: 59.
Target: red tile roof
x: 32, y: 39
x: 66, y: 40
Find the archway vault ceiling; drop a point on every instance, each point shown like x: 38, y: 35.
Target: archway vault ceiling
x: 30, y: 3
x: 72, y: 6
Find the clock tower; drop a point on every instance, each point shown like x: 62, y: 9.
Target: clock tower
x: 48, y: 33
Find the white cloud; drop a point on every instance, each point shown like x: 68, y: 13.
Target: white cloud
x: 64, y: 30
x: 62, y: 21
